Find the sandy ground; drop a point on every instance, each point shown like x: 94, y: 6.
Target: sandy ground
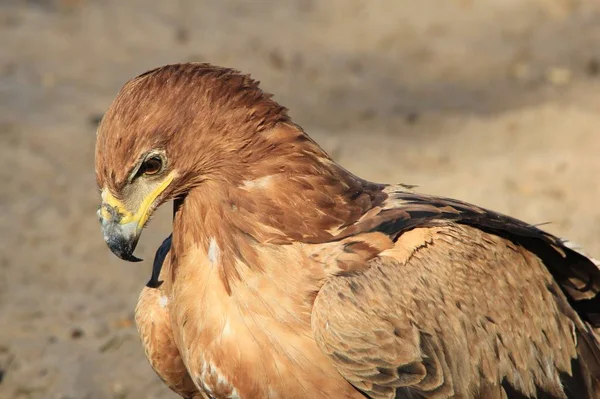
x: 494, y: 102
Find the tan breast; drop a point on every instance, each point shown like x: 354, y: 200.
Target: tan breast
x: 256, y: 343
x: 154, y: 326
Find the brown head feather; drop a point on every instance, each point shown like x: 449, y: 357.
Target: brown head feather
x: 183, y: 109
x: 255, y: 171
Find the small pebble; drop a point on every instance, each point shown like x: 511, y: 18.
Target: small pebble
x: 558, y: 76
x: 412, y: 118
x: 77, y: 333
x: 593, y: 67
x: 182, y: 35
x: 276, y: 60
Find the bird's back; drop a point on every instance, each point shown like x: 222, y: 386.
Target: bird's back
x: 467, y: 303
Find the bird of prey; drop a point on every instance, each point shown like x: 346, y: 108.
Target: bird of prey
x: 286, y: 276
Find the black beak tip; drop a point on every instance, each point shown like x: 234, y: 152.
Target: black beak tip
x: 123, y: 249
x: 131, y: 258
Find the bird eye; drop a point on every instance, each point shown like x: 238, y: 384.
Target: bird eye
x: 151, y: 166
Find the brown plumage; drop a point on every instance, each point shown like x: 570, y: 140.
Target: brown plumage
x: 288, y: 277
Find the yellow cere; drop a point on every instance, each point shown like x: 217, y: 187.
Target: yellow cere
x: 141, y: 216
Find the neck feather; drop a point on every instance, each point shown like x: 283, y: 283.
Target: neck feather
x: 309, y: 199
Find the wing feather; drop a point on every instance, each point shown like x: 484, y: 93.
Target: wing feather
x: 467, y: 303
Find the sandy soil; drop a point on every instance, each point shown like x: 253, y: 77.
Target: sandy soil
x: 494, y: 102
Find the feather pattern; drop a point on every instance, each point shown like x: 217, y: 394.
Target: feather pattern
x: 286, y: 276
x: 154, y: 325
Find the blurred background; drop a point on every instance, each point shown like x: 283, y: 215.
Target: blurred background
x: 495, y: 102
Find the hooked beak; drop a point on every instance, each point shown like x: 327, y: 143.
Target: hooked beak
x: 121, y: 227
x: 121, y: 238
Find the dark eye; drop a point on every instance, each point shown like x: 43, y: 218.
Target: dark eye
x: 151, y: 166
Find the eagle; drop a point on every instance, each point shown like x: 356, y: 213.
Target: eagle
x: 287, y: 276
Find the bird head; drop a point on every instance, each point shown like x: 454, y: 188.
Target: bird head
x: 169, y: 130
